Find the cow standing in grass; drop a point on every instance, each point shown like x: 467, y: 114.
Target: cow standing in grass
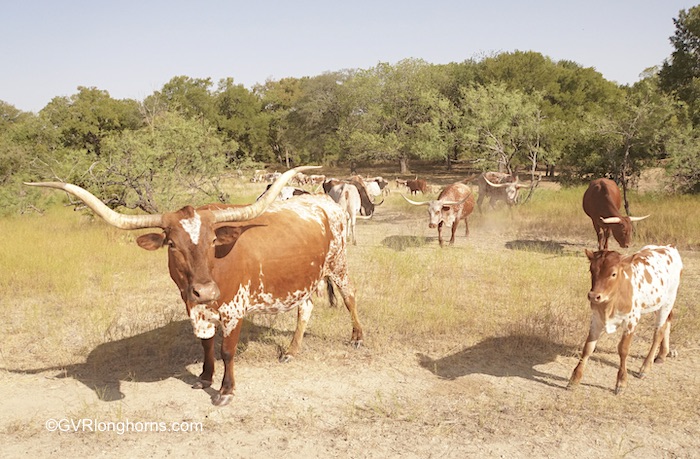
x: 601, y: 202
x: 229, y: 261
x: 622, y: 289
x: 455, y: 203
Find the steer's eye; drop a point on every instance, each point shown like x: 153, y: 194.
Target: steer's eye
x: 171, y: 244
x: 613, y: 275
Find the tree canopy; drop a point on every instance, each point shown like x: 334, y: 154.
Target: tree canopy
x: 511, y: 111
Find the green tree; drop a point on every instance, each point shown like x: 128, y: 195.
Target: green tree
x: 179, y: 161
x: 390, y: 115
x: 680, y: 74
x: 85, y: 118
x: 503, y: 126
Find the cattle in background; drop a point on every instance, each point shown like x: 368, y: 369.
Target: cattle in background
x: 287, y: 192
x: 301, y: 179
x: 622, y: 289
x: 455, y: 203
x: 417, y: 185
x: 229, y: 261
x: 368, y: 203
x: 601, y: 202
x: 348, y: 198
x: 381, y: 183
x: 498, y: 186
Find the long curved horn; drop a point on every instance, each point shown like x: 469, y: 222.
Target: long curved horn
x: 610, y: 220
x: 636, y: 219
x: 121, y: 221
x: 415, y: 203
x: 378, y: 204
x: 240, y: 214
x: 496, y: 185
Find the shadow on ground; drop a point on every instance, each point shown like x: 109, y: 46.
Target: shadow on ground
x: 400, y: 243
x: 152, y: 356
x: 505, y: 356
x: 546, y: 247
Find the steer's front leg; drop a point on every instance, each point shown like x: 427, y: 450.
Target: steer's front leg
x: 207, y: 376
x: 228, y: 352
x: 588, y: 348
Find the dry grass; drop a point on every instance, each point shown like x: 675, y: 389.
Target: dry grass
x: 521, y: 274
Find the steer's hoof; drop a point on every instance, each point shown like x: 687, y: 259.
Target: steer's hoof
x: 572, y: 386
x: 356, y: 343
x: 201, y: 384
x: 222, y: 399
x: 673, y: 353
x: 619, y: 390
x: 641, y: 375
x: 286, y: 358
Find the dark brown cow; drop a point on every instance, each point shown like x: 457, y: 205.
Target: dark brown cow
x: 454, y: 203
x: 417, y: 185
x: 229, y: 261
x: 622, y: 289
x: 601, y: 202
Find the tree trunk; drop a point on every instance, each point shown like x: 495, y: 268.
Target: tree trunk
x: 403, y: 162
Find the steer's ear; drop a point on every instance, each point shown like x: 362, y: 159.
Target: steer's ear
x: 151, y: 241
x: 228, y: 234
x: 590, y: 254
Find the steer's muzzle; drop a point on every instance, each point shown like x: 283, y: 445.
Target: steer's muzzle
x: 596, y: 297
x: 204, y: 292
x: 432, y: 225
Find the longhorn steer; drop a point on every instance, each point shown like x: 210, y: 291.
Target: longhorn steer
x: 622, y: 289
x: 417, y: 185
x: 229, y: 261
x: 498, y: 186
x: 601, y: 202
x: 454, y: 203
x: 347, y: 197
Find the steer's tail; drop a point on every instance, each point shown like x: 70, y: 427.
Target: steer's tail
x: 332, y: 300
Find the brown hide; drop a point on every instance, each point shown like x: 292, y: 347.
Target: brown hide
x: 602, y: 199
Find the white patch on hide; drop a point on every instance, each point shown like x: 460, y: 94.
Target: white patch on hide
x: 192, y: 227
x: 204, y: 321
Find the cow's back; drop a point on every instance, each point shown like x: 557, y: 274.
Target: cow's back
x: 656, y: 274
x: 602, y: 198
x: 287, y: 248
x: 457, y: 192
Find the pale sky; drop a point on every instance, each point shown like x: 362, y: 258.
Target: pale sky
x: 132, y: 48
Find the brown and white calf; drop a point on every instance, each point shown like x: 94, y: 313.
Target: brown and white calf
x: 229, y: 261
x: 622, y: 289
x: 455, y: 203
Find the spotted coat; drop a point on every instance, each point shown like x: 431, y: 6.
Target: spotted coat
x: 623, y: 288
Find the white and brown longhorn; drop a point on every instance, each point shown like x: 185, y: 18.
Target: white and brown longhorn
x: 229, y: 261
x: 454, y: 203
x: 623, y: 288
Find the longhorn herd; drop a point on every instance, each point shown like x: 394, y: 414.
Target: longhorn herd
x: 273, y: 255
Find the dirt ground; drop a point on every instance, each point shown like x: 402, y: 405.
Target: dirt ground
x: 500, y: 397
